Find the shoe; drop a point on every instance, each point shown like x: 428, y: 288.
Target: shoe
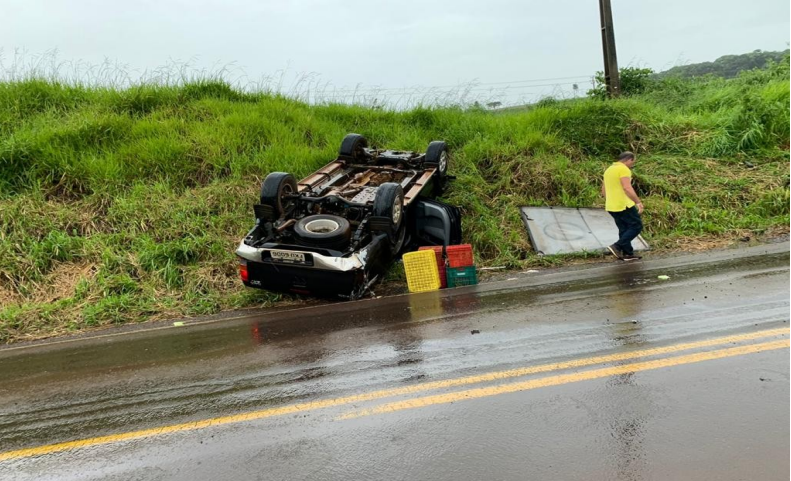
x: 616, y: 251
x: 631, y: 257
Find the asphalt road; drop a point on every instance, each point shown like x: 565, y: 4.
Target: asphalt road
x: 606, y: 372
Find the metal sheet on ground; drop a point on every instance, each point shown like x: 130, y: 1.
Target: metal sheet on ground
x: 565, y: 230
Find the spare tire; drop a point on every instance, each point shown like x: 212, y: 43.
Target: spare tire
x: 323, y: 230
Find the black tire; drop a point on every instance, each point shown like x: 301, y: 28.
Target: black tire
x: 389, y: 202
x: 275, y: 186
x: 323, y: 230
x: 397, y: 244
x: 353, y: 148
x: 437, y: 156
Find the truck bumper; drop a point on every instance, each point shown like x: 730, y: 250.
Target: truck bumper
x: 323, y: 275
x: 303, y: 280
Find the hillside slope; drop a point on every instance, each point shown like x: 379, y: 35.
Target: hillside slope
x: 126, y: 205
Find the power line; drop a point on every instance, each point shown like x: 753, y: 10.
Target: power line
x: 461, y: 85
x: 436, y: 91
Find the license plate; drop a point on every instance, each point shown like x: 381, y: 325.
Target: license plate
x: 288, y: 256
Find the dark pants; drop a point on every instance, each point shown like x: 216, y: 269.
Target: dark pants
x: 629, y: 226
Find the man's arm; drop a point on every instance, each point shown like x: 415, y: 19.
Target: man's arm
x: 626, y: 182
x: 603, y: 190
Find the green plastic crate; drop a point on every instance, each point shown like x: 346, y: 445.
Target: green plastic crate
x: 461, y: 276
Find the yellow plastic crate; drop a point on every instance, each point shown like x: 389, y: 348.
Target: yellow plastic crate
x: 422, y: 274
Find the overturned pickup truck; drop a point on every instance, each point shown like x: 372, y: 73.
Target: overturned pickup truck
x: 335, y: 232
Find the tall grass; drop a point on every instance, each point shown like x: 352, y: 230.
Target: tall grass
x: 126, y: 204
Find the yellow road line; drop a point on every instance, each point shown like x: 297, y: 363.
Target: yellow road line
x: 567, y: 378
x: 310, y: 406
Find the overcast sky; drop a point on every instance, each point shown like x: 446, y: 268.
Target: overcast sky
x: 393, y: 44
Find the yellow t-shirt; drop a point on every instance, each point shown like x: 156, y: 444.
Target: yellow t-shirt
x: 617, y: 200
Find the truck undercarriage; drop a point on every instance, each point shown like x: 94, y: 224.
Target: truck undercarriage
x: 334, y: 232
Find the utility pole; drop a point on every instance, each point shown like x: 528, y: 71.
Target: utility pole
x: 611, y: 77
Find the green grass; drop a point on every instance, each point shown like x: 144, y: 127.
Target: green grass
x: 124, y: 206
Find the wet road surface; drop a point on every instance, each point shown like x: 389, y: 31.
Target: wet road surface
x: 605, y: 372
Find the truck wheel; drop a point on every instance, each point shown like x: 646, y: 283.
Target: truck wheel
x: 323, y: 230
x: 389, y: 202
x: 353, y: 148
x: 437, y: 156
x: 398, y: 244
x: 274, y: 188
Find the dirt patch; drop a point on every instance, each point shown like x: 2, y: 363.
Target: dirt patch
x: 741, y: 238
x: 59, y: 283
x: 778, y: 233
x: 62, y: 281
x: 8, y: 296
x: 217, y: 277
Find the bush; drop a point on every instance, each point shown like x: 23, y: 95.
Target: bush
x: 634, y: 81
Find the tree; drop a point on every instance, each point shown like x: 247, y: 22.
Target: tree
x: 633, y: 81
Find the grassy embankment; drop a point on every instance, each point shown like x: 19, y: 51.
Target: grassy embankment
x: 126, y: 205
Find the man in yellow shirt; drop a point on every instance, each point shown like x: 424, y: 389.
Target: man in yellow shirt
x: 623, y: 205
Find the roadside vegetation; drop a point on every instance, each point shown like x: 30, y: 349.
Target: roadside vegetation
x: 727, y: 66
x: 126, y: 205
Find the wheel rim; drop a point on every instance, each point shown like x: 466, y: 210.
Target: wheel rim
x: 397, y: 208
x: 287, y: 190
x: 322, y: 226
x: 443, y: 162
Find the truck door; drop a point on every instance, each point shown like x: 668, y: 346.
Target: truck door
x: 436, y: 223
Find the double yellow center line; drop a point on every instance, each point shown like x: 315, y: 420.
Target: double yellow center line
x: 567, y: 378
x: 460, y: 395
